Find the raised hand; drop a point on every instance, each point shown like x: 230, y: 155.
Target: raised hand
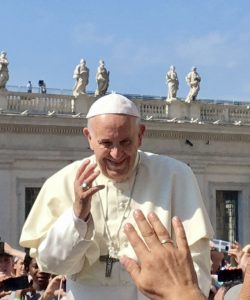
x: 165, y: 271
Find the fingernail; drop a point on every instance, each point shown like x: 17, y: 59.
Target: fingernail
x: 128, y: 227
x: 137, y: 213
x: 152, y: 216
x: 176, y: 219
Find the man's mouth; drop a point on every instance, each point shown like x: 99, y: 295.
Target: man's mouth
x: 115, y: 165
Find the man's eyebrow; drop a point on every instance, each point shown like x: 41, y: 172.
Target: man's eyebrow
x: 103, y: 140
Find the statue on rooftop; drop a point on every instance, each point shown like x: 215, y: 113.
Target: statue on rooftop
x: 4, y: 72
x: 173, y: 83
x: 102, y: 79
x: 81, y: 74
x: 193, y: 79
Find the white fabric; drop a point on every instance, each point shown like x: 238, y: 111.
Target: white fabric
x: 113, y: 104
x: 63, y: 246
x: 233, y: 292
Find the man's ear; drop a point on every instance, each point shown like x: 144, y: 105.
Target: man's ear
x: 87, y: 134
x: 141, y: 133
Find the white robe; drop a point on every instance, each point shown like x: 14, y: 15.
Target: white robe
x: 64, y: 244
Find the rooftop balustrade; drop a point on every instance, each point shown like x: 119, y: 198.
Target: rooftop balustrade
x: 152, y: 108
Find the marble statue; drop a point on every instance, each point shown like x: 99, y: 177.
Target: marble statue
x: 81, y: 74
x: 102, y: 79
x: 4, y: 72
x: 172, y: 82
x: 193, y: 80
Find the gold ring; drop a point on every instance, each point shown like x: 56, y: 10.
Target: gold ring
x: 166, y: 241
x: 85, y: 186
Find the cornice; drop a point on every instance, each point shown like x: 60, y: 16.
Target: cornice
x: 178, y: 135
x: 40, y: 129
x: 167, y: 133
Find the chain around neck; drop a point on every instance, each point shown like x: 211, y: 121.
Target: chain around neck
x: 114, y: 245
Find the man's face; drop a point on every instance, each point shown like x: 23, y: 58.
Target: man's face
x: 115, y: 140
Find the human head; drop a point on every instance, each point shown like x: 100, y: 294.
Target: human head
x: 172, y: 68
x: 114, y: 133
x: 6, y: 264
x: 19, y: 267
x: 193, y: 69
x: 40, y: 279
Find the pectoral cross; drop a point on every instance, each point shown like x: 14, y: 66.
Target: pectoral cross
x: 109, y: 263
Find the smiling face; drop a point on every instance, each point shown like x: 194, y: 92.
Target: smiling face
x: 40, y: 279
x: 115, y: 140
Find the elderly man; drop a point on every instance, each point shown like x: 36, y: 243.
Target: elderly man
x: 76, y: 224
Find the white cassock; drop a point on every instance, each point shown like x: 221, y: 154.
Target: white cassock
x: 64, y: 244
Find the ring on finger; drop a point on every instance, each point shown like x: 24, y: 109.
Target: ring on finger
x: 85, y: 186
x: 168, y: 241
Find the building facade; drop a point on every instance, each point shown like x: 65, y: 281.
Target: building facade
x: 41, y: 133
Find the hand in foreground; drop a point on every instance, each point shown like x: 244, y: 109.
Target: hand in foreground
x: 165, y: 271
x: 54, y: 288
x: 245, y: 290
x: 220, y: 294
x: 86, y: 174
x: 236, y: 251
x: 12, y: 251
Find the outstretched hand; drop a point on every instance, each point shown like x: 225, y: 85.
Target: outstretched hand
x: 86, y: 174
x: 165, y: 271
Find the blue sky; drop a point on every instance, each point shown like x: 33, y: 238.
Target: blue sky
x: 138, y: 40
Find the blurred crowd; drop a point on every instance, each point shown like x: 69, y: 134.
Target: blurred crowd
x: 20, y: 277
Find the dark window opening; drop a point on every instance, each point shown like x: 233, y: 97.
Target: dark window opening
x: 30, y: 197
x: 227, y: 215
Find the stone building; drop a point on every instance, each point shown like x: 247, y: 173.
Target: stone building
x: 41, y: 133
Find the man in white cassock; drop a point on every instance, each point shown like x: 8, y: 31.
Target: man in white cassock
x: 76, y: 224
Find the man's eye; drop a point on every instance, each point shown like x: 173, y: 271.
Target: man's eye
x: 106, y: 144
x: 126, y: 143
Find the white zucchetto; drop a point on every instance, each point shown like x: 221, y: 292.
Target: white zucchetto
x: 113, y: 104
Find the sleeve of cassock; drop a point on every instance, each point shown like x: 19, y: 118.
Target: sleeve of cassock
x: 64, y: 248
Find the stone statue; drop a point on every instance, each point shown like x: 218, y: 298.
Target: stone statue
x: 81, y: 74
x: 4, y: 72
x: 172, y: 82
x: 193, y: 80
x: 102, y: 79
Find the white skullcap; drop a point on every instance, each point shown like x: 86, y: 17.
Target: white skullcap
x: 113, y: 104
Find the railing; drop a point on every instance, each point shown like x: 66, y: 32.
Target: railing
x: 39, y: 103
x: 150, y: 107
x: 225, y: 113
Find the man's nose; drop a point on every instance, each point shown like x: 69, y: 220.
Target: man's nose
x: 116, y: 152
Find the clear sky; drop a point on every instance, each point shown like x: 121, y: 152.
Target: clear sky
x: 138, y: 40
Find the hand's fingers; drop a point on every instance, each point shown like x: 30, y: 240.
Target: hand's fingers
x: 131, y: 266
x: 82, y: 168
x: 181, y: 239
x: 91, y: 191
x: 89, y: 180
x: 137, y: 243
x: 89, y: 170
x: 145, y: 228
x: 159, y: 229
